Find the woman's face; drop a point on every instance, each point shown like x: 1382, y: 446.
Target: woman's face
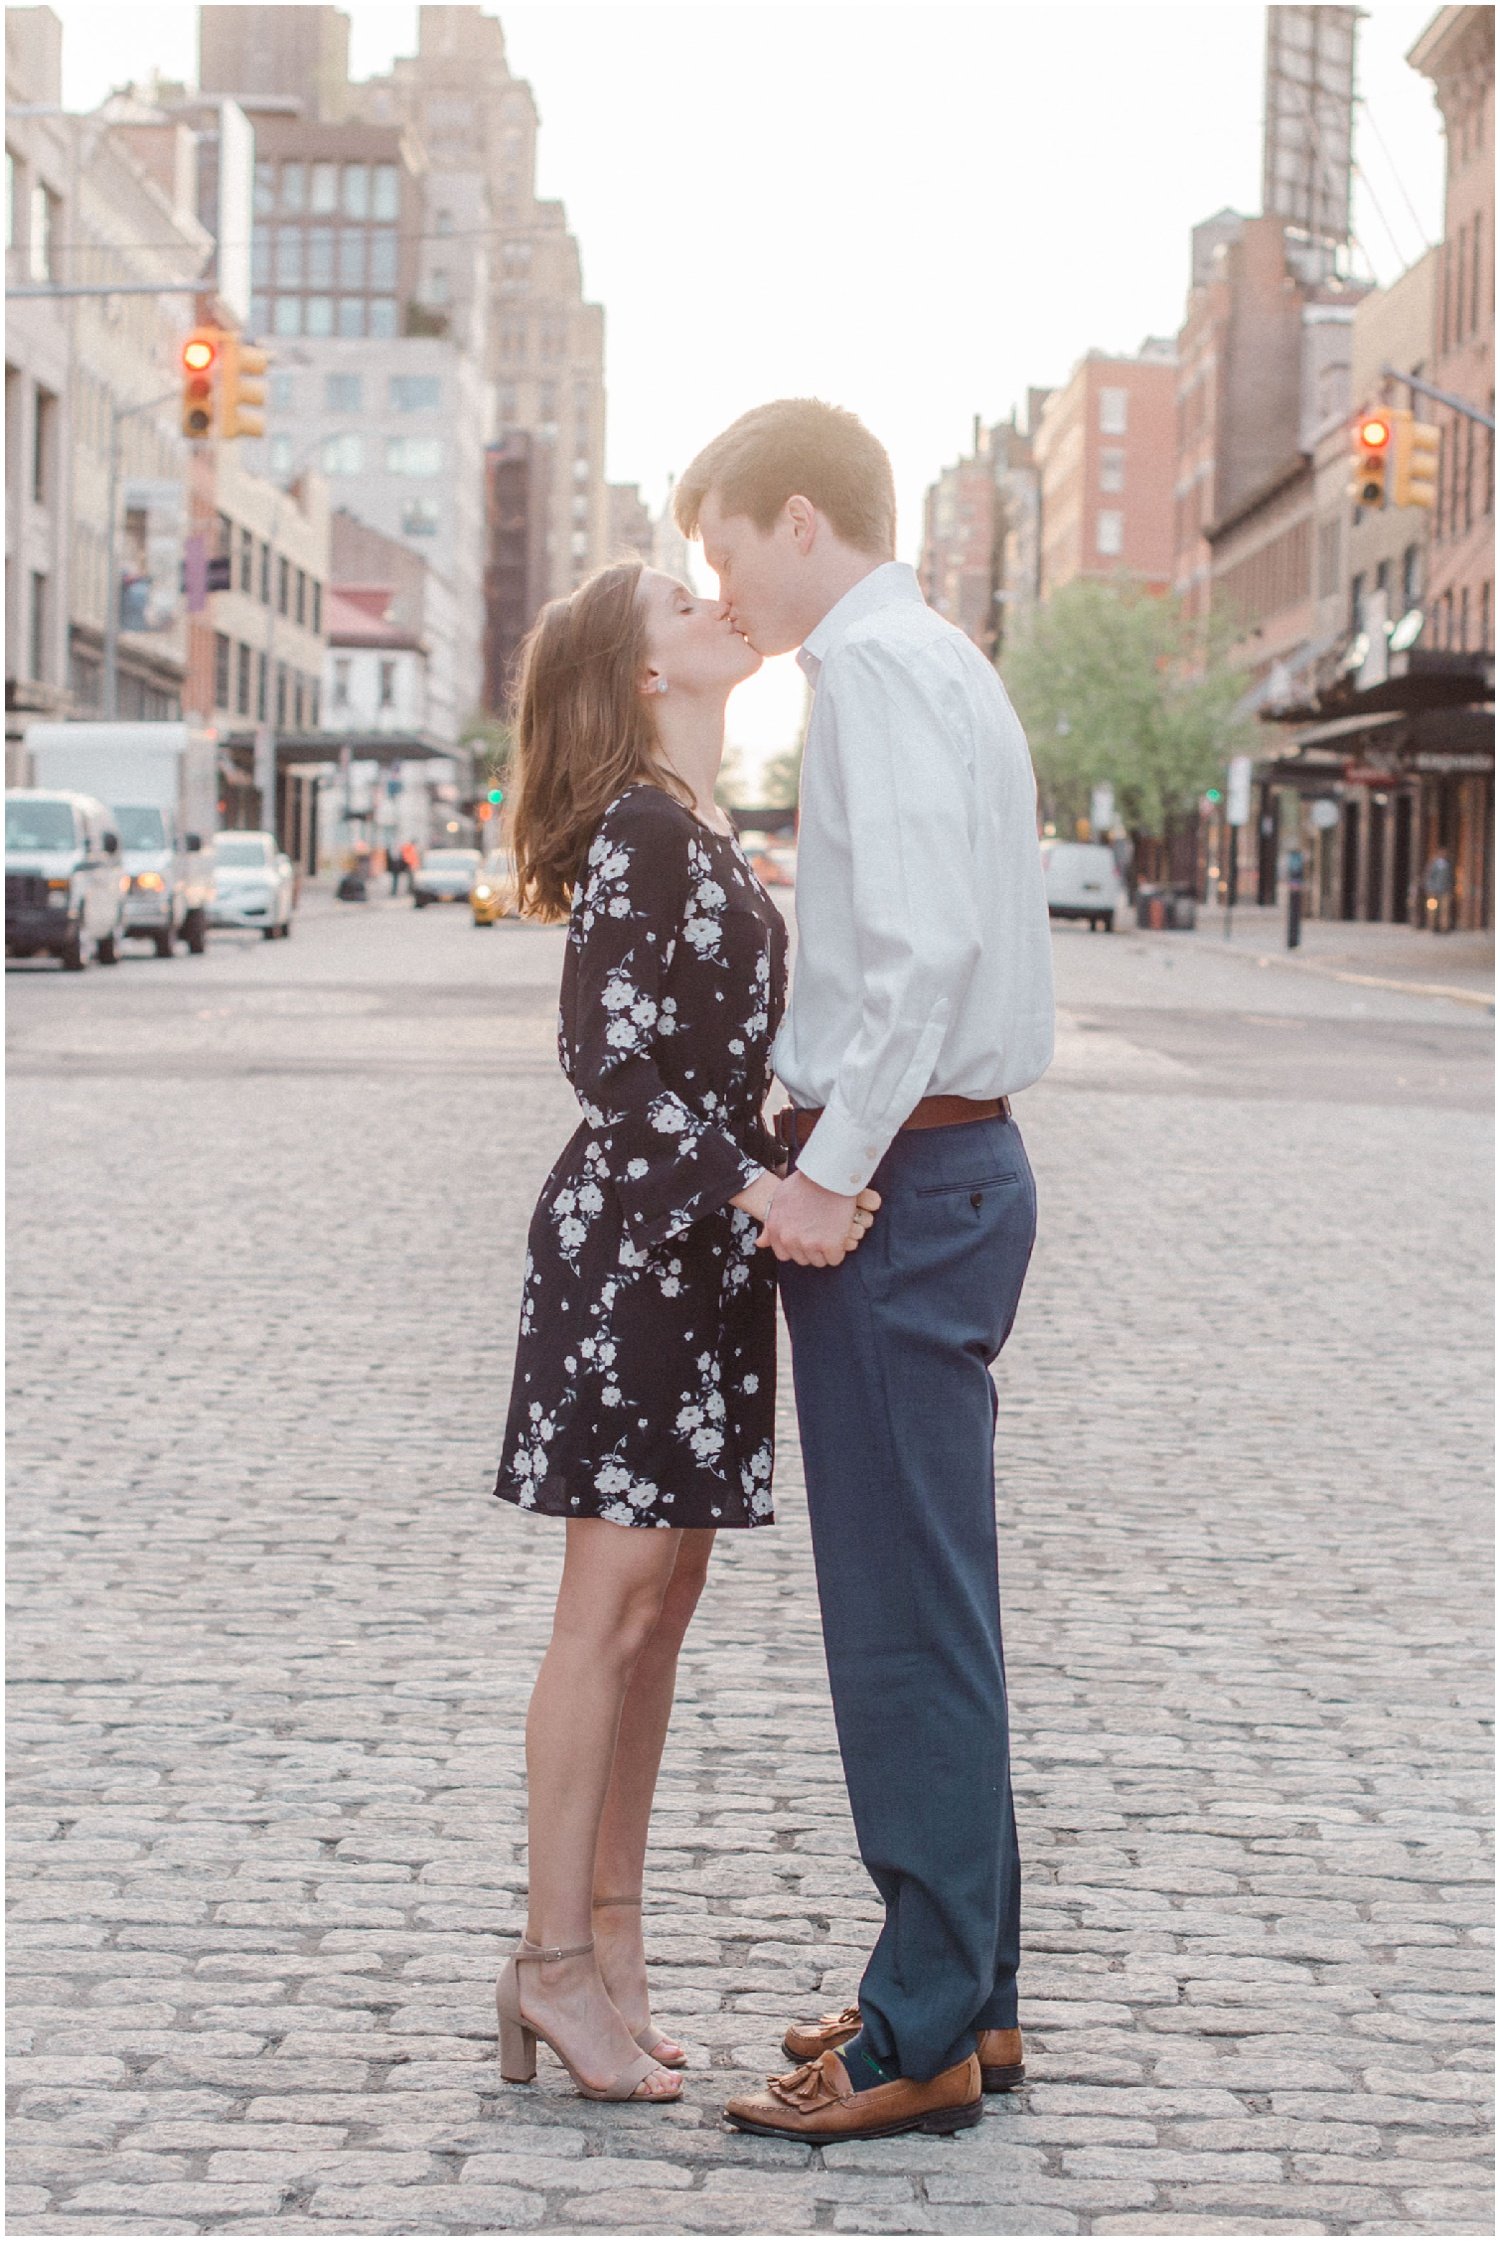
x: 690, y: 642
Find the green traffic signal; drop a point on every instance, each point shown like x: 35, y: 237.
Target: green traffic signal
x: 497, y: 794
x: 1213, y: 794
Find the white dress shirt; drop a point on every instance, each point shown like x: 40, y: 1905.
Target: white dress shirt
x: 924, y: 956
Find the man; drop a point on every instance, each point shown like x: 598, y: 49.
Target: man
x: 922, y: 1000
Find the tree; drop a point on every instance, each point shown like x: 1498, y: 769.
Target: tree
x: 1113, y: 683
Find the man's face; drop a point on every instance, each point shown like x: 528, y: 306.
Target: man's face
x: 760, y: 574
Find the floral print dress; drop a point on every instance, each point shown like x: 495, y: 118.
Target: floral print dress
x: 645, y: 1378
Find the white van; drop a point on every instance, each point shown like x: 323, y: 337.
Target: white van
x: 64, y: 885
x: 1083, y: 881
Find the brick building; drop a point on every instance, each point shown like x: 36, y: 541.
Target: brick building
x: 1104, y: 451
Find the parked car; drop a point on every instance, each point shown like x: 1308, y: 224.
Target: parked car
x: 64, y: 888
x: 446, y: 876
x: 493, y: 894
x: 1083, y: 881
x: 254, y: 885
x: 161, y: 781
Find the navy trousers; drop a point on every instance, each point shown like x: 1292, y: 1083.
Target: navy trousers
x: 891, y: 1355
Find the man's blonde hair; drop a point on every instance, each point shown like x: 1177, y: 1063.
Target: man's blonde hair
x: 797, y: 447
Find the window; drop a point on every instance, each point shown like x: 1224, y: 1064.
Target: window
x: 554, y: 340
x: 351, y: 316
x: 260, y: 315
x: 38, y: 625
x: 385, y: 192
x: 1463, y: 620
x: 356, y: 190
x: 382, y: 258
x: 382, y: 317
x: 288, y: 315
x: 265, y: 579
x: 319, y: 315
x: 289, y: 257
x: 221, y: 670
x: 416, y: 393
x: 302, y: 596
x: 419, y: 518
x: 437, y: 287
x: 351, y: 258
x: 10, y: 200
x: 281, y: 456
x: 1477, y: 284
x: 513, y: 343
x: 260, y: 257
x: 43, y: 213
x: 546, y: 405
x: 1111, y: 470
x: 283, y: 583
x: 1411, y: 578
x: 265, y: 189
x: 320, y: 257
x: 444, y: 222
x: 323, y: 195
x: 580, y: 544
x: 344, y: 454
x: 580, y: 508
x: 1486, y: 597
x: 245, y: 579
x: 43, y: 444
x: 413, y: 455
x: 281, y: 693
x: 281, y: 393
x: 1357, y: 603
x: 242, y: 681
x: 312, y: 705
x: 388, y: 684
x: 1112, y: 411
x: 343, y: 392
x: 341, y: 669
x: 260, y: 688
x: 509, y: 405
x: 1109, y: 537
x: 297, y: 703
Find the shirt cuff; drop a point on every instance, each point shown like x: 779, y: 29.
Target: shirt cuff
x: 840, y: 1154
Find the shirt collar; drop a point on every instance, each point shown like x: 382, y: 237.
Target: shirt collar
x: 892, y: 584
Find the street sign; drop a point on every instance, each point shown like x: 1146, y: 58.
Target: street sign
x: 1237, y: 804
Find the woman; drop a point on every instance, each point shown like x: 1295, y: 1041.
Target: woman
x: 644, y: 1383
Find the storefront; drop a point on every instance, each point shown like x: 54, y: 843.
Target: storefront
x: 1383, y: 789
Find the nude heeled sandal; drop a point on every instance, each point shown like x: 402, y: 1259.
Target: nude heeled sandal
x: 649, y: 2038
x: 518, y: 2037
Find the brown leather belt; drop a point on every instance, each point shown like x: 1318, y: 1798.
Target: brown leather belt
x: 795, y: 1123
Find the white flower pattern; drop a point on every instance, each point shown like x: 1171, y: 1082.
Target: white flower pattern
x: 644, y: 1386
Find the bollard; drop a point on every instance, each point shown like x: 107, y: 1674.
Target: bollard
x: 1295, y: 862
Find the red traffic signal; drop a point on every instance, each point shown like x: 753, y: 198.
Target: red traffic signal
x: 1375, y: 432
x: 200, y: 358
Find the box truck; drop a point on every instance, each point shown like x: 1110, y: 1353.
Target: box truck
x: 162, y: 783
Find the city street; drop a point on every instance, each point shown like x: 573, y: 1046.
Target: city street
x: 273, y: 1642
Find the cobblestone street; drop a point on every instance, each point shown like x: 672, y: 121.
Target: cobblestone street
x: 273, y: 1642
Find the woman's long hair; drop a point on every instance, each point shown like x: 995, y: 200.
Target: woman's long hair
x: 583, y: 733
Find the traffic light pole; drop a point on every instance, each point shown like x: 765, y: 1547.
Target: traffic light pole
x: 112, y: 594
x: 1441, y: 397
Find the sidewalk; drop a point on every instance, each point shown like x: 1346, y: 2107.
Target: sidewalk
x: 1460, y: 967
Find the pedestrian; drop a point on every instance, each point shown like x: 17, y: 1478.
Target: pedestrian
x: 396, y: 866
x: 641, y: 1409
x: 921, y: 1001
x: 1437, y: 885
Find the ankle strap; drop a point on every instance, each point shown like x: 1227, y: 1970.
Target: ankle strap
x: 634, y: 1901
x: 526, y: 1951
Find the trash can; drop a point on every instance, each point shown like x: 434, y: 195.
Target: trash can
x: 351, y: 888
x: 1150, y: 909
x: 1183, y: 914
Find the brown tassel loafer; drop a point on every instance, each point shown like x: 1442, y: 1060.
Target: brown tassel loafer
x: 817, y: 2102
x: 1001, y: 2066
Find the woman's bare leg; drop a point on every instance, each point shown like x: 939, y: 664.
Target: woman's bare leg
x: 614, y: 1584
x: 619, y: 1863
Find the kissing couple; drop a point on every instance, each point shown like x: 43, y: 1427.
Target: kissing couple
x: 892, y: 1204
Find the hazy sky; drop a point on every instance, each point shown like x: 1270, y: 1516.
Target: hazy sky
x: 914, y: 210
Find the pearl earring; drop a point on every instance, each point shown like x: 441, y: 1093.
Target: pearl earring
x: 660, y: 686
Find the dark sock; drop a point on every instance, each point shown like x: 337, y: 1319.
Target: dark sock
x: 864, y: 2069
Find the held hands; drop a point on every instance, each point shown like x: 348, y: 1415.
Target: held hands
x: 815, y: 1227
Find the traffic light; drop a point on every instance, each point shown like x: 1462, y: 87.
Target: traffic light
x: 1418, y: 447
x: 201, y: 355
x: 1372, y: 437
x: 496, y: 795
x: 242, y: 392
